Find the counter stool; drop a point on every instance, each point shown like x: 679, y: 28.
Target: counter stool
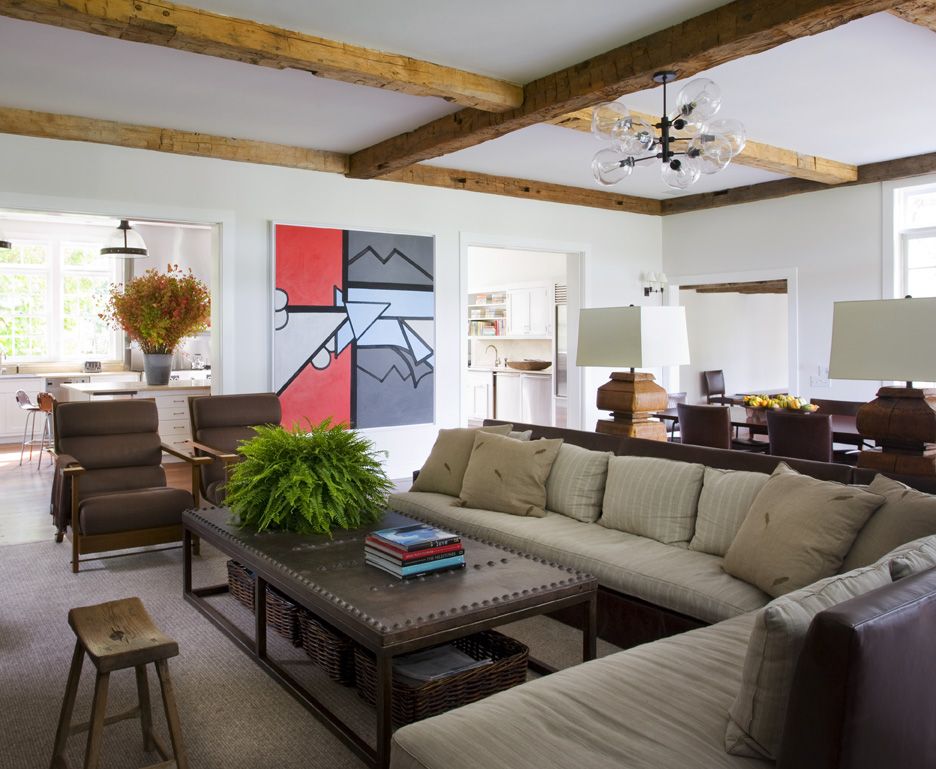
x: 117, y: 635
x: 46, y: 404
x: 31, y: 409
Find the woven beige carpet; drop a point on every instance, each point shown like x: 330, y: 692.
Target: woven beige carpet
x: 233, y: 715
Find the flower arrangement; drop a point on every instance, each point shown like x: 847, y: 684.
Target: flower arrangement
x: 789, y: 402
x: 158, y: 309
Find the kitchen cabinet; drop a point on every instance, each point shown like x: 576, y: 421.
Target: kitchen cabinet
x: 12, y: 417
x: 528, y: 311
x: 480, y: 387
x: 509, y: 397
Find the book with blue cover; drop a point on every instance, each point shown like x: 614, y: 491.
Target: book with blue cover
x: 408, y: 572
x: 418, y: 536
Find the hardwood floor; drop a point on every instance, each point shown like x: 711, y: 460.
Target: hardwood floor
x: 25, y: 491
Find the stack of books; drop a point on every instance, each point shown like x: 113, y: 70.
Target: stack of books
x: 411, y: 551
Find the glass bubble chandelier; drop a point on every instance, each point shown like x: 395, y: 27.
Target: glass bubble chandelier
x: 703, y: 146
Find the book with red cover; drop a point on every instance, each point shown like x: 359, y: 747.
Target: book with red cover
x: 410, y: 555
x: 420, y: 558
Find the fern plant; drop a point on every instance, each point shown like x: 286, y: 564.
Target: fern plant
x: 309, y: 479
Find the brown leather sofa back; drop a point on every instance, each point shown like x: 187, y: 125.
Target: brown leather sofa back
x: 864, y: 695
x: 223, y: 421
x: 726, y: 459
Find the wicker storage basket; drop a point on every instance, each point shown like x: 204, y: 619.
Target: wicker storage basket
x: 329, y: 649
x: 282, y: 614
x: 411, y: 704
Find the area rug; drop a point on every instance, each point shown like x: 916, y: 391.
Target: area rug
x: 233, y: 714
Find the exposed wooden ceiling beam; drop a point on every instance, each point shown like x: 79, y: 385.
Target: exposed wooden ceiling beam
x: 754, y: 155
x: 47, y: 125
x: 455, y: 179
x: 922, y: 12
x: 160, y: 22
x: 749, y: 287
x: 887, y: 170
x: 739, y: 29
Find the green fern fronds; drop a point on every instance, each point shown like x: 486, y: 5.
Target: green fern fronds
x: 310, y: 480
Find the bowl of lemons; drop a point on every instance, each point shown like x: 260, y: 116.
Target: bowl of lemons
x: 780, y: 402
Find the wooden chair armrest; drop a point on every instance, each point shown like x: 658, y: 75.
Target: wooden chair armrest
x: 71, y: 464
x: 72, y: 470
x: 224, y: 456
x: 192, y: 460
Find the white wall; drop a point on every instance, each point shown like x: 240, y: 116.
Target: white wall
x: 834, y: 240
x: 39, y: 173
x: 494, y: 267
x: 745, y: 335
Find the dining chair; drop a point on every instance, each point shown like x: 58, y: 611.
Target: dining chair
x: 800, y: 436
x: 705, y: 425
x: 714, y: 382
x: 672, y: 400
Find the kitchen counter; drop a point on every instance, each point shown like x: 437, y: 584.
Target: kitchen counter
x: 508, y: 370
x: 56, y: 374
x: 128, y: 388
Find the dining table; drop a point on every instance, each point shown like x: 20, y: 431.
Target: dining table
x: 844, y: 429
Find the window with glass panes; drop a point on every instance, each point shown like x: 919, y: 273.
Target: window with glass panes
x: 915, y: 217
x: 50, y: 295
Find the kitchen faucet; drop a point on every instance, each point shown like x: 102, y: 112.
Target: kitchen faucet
x: 497, y: 360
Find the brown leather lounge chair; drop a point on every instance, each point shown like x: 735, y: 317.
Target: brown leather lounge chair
x: 109, y: 490
x: 219, y: 424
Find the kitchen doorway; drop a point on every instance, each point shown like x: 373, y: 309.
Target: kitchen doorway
x: 516, y: 308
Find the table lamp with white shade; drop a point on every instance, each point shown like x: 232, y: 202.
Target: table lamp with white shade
x: 632, y: 337
x: 887, y: 340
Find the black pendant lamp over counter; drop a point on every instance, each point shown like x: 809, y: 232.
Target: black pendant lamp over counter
x: 125, y: 243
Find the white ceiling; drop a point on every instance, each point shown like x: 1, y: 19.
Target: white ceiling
x: 852, y: 94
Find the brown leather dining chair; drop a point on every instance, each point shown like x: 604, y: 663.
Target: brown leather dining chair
x: 801, y: 436
x: 109, y: 491
x: 219, y: 424
x: 714, y: 383
x: 711, y: 426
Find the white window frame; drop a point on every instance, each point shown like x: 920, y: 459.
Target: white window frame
x: 56, y: 271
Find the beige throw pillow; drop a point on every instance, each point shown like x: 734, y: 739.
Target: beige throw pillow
x: 723, y: 505
x: 509, y: 476
x: 906, y: 515
x: 798, y: 530
x: 756, y: 718
x: 444, y: 470
x: 652, y: 497
x: 576, y: 483
x: 912, y: 558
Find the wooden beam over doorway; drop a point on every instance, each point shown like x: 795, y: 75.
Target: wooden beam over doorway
x: 922, y: 12
x: 748, y: 287
x: 754, y: 155
x: 735, y: 30
x: 160, y: 22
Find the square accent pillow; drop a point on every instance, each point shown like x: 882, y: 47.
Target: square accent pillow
x: 652, y: 497
x: 576, y: 483
x: 509, y: 476
x: 797, y: 531
x: 756, y: 718
x: 906, y: 515
x: 444, y: 470
x: 723, y: 505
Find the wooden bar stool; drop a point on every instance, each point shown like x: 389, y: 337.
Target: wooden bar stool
x: 117, y: 635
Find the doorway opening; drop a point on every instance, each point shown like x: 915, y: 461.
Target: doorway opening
x: 741, y: 327
x: 516, y: 308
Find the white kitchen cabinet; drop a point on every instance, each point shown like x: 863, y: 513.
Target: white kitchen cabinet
x: 12, y: 417
x: 528, y: 311
x: 509, y: 397
x: 480, y: 400
x: 536, y: 399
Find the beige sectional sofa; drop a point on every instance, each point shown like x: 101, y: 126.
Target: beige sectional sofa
x: 668, y: 516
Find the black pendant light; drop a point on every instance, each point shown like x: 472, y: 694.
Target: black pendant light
x: 125, y: 243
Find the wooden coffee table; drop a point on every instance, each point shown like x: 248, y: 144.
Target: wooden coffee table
x: 387, y: 616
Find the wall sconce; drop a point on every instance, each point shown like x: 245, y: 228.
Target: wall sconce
x: 654, y: 282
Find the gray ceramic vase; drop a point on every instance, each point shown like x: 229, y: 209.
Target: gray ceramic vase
x: 157, y: 368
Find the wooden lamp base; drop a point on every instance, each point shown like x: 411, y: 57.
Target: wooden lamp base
x: 902, y: 420
x: 631, y: 398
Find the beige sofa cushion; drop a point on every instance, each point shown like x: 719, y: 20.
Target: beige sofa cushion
x: 507, y: 475
x: 444, y: 470
x: 652, y: 497
x: 758, y: 713
x: 723, y: 505
x: 912, y: 557
x: 798, y: 530
x: 906, y: 515
x: 576, y: 483
x: 657, y: 706
x: 681, y: 580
